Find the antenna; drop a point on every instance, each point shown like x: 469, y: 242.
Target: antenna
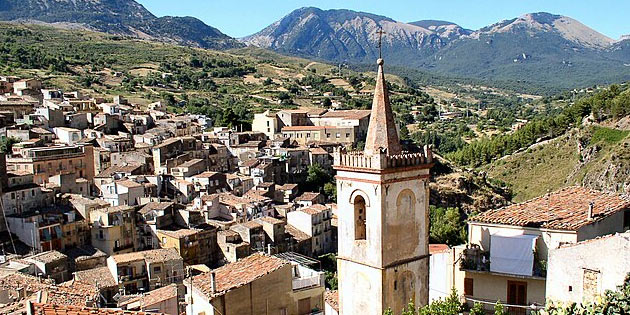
x: 380, y: 33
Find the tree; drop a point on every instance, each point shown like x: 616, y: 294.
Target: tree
x: 317, y: 176
x: 6, y: 144
x: 446, y: 226
x: 330, y: 190
x: 327, y: 103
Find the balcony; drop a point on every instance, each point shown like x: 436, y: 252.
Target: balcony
x: 304, y: 278
x: 476, y: 260
x: 307, y: 282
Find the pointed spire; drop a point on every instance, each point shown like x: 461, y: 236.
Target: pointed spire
x: 382, y: 133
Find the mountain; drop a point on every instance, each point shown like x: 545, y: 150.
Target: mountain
x: 444, y: 29
x: 538, y: 48
x: 122, y: 17
x: 344, y: 35
x: 534, y: 49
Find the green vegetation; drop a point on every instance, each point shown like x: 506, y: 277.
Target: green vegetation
x: 6, y: 144
x: 608, y: 135
x: 603, y: 104
x: 447, y: 226
x: 329, y: 266
x: 449, y: 306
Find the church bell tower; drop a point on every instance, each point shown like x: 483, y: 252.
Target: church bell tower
x: 383, y: 215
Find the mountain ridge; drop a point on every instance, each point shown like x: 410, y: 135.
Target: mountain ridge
x: 120, y: 17
x: 536, y: 47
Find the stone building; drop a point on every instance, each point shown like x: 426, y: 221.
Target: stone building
x: 509, y: 247
x: 383, y: 259
x: 580, y: 272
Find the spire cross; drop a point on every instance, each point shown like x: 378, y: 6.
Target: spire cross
x: 380, y: 33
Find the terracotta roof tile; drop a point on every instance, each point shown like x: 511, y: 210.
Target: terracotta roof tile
x: 51, y: 309
x: 296, y: 233
x: 100, y: 276
x: 308, y: 196
x: 332, y: 299
x: 238, y: 274
x: 314, y: 209
x: 162, y: 254
x: 438, y: 248
x: 566, y: 209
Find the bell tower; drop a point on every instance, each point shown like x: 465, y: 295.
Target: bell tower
x: 383, y: 202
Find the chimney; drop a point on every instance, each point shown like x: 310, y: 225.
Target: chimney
x: 590, y: 210
x: 213, y: 282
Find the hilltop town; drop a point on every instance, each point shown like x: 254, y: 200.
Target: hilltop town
x: 140, y: 177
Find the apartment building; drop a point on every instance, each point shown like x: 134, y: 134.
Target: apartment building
x: 315, y: 221
x: 44, y: 162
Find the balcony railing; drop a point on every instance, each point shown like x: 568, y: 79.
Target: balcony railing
x: 307, y: 282
x: 475, y: 259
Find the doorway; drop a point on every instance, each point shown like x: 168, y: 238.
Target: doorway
x: 517, y: 295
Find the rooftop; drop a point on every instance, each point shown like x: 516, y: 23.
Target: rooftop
x: 308, y: 196
x: 565, y: 209
x: 51, y: 309
x: 314, y: 209
x: 100, y: 277
x: 154, y: 255
x: 48, y: 257
x: 296, y: 233
x: 332, y: 298
x: 238, y: 274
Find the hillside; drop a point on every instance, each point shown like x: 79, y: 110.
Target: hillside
x: 121, y: 17
x: 538, y: 49
x: 596, y: 157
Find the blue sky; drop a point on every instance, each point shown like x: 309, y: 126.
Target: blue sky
x: 239, y: 18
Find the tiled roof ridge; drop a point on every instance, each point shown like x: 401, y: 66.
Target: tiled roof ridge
x: 560, y: 208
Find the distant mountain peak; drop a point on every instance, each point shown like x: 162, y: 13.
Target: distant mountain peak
x: 569, y: 28
x: 126, y: 17
x: 347, y: 34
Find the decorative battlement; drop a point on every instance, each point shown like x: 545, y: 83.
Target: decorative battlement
x: 381, y: 161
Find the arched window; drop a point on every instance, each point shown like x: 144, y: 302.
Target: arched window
x: 359, y: 218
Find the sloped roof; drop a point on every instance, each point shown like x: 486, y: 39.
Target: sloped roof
x: 565, y: 209
x: 382, y: 132
x: 238, y: 274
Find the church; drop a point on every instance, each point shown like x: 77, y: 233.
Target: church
x: 383, y: 203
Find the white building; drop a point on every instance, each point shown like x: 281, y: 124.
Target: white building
x: 580, y: 272
x: 68, y: 135
x: 122, y: 193
x: 316, y: 222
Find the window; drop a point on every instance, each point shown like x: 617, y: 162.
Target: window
x: 12, y: 195
x: 626, y: 220
x: 347, y: 135
x: 32, y: 192
x: 100, y: 234
x: 338, y: 135
x: 359, y: 218
x: 157, y: 269
x: 468, y: 286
